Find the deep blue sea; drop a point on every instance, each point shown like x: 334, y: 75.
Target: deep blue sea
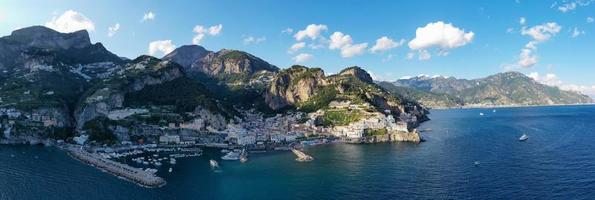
x: 557, y: 162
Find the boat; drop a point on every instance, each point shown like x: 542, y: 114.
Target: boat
x: 480, y: 114
x: 225, y: 151
x: 214, y: 164
x: 170, y: 170
x: 494, y: 110
x: 232, y: 155
x: 476, y: 163
x: 523, y: 137
x: 244, y: 156
x: 172, y: 161
x: 157, y: 164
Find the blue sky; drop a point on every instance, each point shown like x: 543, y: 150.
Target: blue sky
x: 486, y: 37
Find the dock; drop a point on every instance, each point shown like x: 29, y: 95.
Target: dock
x: 301, y: 156
x: 136, y: 175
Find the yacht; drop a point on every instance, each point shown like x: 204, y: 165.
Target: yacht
x: 232, y: 155
x: 170, y: 170
x: 480, y: 114
x: 523, y: 137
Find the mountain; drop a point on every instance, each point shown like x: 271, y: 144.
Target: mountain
x: 309, y: 90
x: 230, y: 66
x: 147, y: 93
x: 59, y: 85
x: 508, y: 88
x: 429, y: 99
x: 232, y: 75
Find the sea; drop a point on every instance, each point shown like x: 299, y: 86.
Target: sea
x: 465, y: 156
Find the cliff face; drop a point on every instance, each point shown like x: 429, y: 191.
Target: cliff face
x: 135, y: 76
x: 309, y: 90
x: 293, y: 85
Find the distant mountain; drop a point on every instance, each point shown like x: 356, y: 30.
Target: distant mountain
x: 509, y: 88
x: 429, y: 99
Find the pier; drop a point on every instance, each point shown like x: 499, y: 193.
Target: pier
x: 301, y: 156
x: 139, y: 176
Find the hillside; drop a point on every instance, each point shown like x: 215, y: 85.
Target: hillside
x: 509, y: 88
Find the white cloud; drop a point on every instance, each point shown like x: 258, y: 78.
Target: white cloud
x: 576, y: 32
x: 590, y: 20
x: 539, y: 33
x: 339, y: 40
x: 571, y: 5
x: 567, y: 7
x: 344, y: 42
x: 424, y: 55
x: 287, y: 30
x: 302, y: 57
x: 554, y: 81
x: 312, y: 31
x: 202, y: 31
x: 297, y: 46
x: 254, y: 40
x: 353, y: 50
x: 522, y: 21
x: 410, y: 56
x: 585, y: 89
x: 542, y: 32
x: 70, y: 21
x: 527, y: 59
x: 148, y: 16
x: 548, y: 79
x: 388, y: 58
x: 384, y: 44
x: 441, y: 35
x: 111, y: 31
x: 163, y: 46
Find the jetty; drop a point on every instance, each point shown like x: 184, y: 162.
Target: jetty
x: 136, y: 175
x: 301, y: 156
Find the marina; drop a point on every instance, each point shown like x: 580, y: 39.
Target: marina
x: 146, y: 178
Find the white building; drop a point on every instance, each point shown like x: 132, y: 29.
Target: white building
x: 169, y: 139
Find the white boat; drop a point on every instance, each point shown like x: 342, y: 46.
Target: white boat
x: 244, y: 156
x: 480, y: 114
x: 476, y: 163
x: 170, y: 170
x: 232, y: 155
x: 225, y: 151
x: 157, y: 164
x: 172, y: 161
x: 494, y: 110
x: 214, y: 164
x: 523, y: 137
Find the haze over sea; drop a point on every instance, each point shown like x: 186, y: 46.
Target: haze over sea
x: 557, y: 162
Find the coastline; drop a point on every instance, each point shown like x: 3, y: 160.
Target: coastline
x: 510, y: 106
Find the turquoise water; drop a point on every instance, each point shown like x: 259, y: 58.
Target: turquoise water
x: 557, y: 162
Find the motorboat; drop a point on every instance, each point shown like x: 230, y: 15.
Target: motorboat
x: 214, y: 164
x: 523, y: 137
x: 232, y: 155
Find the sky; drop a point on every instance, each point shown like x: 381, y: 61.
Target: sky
x: 550, y: 41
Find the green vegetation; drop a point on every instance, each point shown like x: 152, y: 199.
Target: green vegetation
x: 375, y: 132
x: 60, y: 133
x: 183, y: 93
x: 99, y: 130
x: 320, y: 100
x: 341, y: 117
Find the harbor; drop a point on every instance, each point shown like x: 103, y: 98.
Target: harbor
x: 145, y: 178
